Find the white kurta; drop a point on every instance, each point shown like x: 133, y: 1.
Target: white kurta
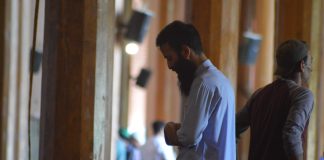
x: 208, y: 126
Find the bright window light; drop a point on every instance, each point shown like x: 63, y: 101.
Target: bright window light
x: 131, y: 48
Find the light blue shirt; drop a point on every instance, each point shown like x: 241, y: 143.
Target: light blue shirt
x: 208, y: 125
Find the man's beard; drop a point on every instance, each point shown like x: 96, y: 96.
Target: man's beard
x: 186, y: 74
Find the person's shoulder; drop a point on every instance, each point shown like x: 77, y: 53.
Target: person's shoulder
x: 304, y: 92
x: 300, y: 92
x: 206, y: 79
x: 214, y: 75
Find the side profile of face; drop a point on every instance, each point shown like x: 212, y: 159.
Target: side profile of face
x: 307, y: 69
x: 184, y: 68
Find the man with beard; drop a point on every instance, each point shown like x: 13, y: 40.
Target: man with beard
x: 207, y: 129
x: 279, y: 112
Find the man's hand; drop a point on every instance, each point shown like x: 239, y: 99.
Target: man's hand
x: 170, y: 133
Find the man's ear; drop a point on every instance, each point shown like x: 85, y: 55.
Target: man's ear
x: 186, y: 51
x: 302, y: 66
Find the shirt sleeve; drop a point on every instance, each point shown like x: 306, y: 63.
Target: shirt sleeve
x: 198, y: 112
x: 299, y: 113
x: 243, y: 116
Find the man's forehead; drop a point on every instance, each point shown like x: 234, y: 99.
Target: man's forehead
x: 165, y: 46
x: 166, y: 49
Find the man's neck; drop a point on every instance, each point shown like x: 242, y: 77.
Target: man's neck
x: 296, y: 78
x: 199, y: 59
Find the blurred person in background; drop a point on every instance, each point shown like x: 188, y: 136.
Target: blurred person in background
x: 155, y: 147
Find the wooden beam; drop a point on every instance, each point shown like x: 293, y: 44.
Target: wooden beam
x: 68, y: 82
x: 219, y: 33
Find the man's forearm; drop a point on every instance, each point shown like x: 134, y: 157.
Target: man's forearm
x: 170, y: 134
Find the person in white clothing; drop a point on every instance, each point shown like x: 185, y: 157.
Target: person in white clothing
x: 155, y: 148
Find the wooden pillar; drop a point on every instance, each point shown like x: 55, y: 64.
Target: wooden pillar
x: 265, y: 26
x: 2, y: 53
x: 163, y: 95
x: 302, y: 19
x: 246, y: 72
x: 125, y: 76
x: 293, y: 20
x: 154, y: 94
x: 320, y: 111
x: 68, y: 82
x: 105, y: 113
x: 16, y: 79
x: 315, y: 136
x: 218, y: 24
x: 155, y: 87
x: 168, y: 105
x: 161, y: 68
x: 171, y: 109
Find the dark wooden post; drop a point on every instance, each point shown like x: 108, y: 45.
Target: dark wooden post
x: 68, y: 83
x: 2, y: 50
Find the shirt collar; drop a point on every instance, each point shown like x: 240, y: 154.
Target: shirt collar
x: 204, y: 66
x: 285, y: 79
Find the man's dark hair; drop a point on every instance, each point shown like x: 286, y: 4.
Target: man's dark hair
x: 289, y: 55
x: 177, y: 34
x: 157, y: 126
